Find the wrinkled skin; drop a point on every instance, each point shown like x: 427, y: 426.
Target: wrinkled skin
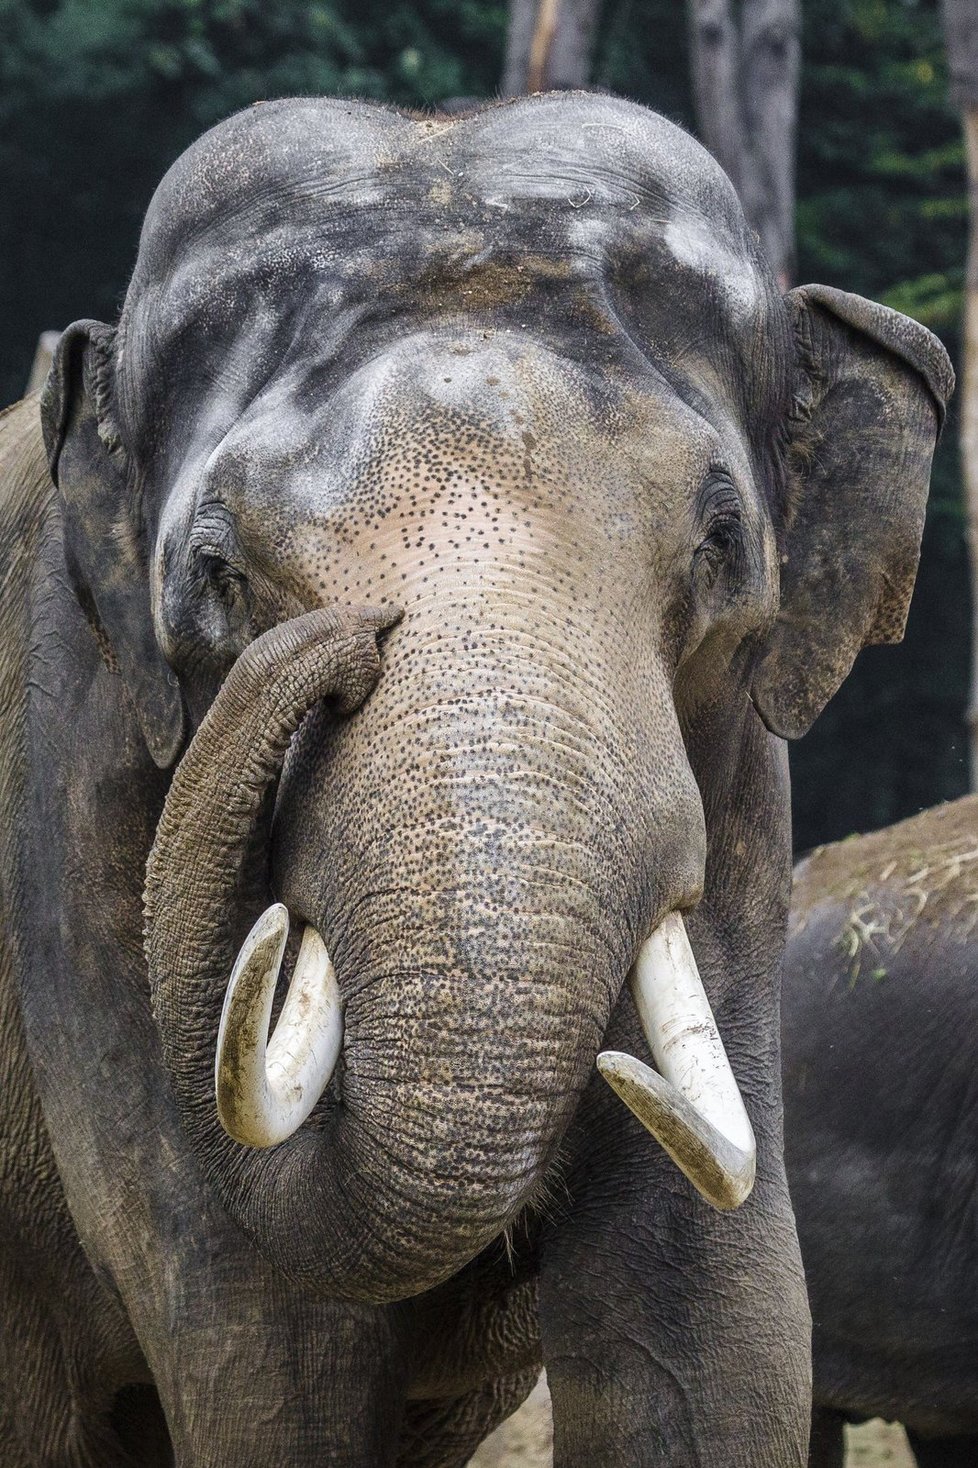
x: 880, y: 1015
x: 473, y: 494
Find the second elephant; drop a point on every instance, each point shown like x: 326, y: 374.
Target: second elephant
x: 880, y: 1025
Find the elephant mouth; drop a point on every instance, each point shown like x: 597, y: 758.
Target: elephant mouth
x: 690, y: 1103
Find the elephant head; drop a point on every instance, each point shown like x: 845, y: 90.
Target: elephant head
x: 515, y: 394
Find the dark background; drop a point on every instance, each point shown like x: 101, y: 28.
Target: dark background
x: 96, y: 99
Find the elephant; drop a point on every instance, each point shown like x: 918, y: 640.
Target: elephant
x: 879, y: 1015
x: 412, y: 598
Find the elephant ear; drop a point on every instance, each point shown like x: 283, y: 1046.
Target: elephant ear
x: 102, y: 546
x: 871, y: 391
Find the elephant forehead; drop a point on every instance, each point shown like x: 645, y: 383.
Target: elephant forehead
x: 505, y: 407
x: 440, y: 453
x: 360, y: 201
x: 316, y: 156
x: 324, y: 231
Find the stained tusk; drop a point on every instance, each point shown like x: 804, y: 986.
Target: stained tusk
x: 267, y: 1088
x: 691, y: 1104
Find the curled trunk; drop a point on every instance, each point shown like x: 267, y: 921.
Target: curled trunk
x: 479, y: 951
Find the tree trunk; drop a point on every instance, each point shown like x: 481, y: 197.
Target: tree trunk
x: 715, y: 61
x: 745, y: 84
x: 550, y: 45
x: 961, y: 34
x: 43, y: 358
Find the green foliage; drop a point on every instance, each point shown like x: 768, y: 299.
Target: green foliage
x: 98, y: 96
x: 935, y: 299
x: 214, y: 56
x: 643, y: 52
x: 880, y: 181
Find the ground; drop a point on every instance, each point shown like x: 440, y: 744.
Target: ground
x: 876, y: 1444
x: 524, y: 1441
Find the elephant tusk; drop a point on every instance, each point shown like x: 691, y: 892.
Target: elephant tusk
x: 692, y: 1104
x: 267, y: 1088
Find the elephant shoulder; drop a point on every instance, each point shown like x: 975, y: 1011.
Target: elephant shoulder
x: 26, y: 493
x: 888, y: 919
x: 25, y: 483
x: 928, y: 862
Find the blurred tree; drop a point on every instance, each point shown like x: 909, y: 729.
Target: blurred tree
x: 961, y: 30
x: 745, y: 80
x: 47, y: 345
x: 550, y: 43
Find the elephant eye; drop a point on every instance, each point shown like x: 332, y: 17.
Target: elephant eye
x: 724, y: 536
x: 226, y: 582
x: 720, y: 548
x: 720, y: 518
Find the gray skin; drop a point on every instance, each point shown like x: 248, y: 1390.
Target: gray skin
x: 880, y: 1017
x: 521, y: 384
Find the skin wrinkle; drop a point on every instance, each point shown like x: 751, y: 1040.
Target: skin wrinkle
x: 474, y: 702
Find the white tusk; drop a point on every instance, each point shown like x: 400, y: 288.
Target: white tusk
x: 692, y: 1104
x: 267, y: 1088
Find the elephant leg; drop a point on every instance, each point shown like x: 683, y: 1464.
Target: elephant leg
x: 13, y: 1454
x: 674, y: 1335
x: 827, y: 1448
x: 944, y: 1452
x: 446, y: 1434
x: 252, y: 1372
x: 53, y: 1412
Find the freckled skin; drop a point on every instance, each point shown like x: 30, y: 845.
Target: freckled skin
x: 879, y: 1030
x: 523, y: 378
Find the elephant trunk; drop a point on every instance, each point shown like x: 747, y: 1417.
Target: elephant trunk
x: 482, y: 913
x: 212, y: 838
